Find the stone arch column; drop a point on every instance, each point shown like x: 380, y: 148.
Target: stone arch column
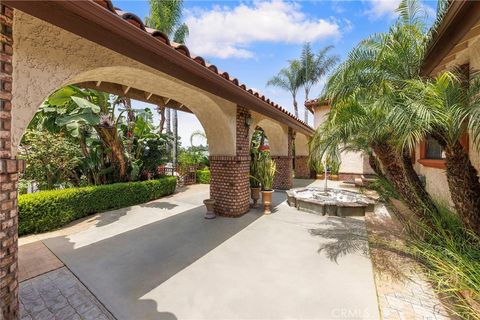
x: 302, y: 169
x: 9, y: 169
x: 280, y: 139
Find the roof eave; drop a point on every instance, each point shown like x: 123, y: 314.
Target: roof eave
x: 93, y: 22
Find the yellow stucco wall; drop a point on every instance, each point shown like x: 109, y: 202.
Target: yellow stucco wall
x: 47, y: 58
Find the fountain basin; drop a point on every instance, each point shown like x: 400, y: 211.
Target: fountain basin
x: 332, y: 202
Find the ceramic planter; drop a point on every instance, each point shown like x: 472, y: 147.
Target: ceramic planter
x: 334, y: 177
x: 267, y: 201
x: 209, y: 203
x: 255, y: 194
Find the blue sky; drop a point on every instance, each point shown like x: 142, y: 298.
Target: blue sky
x: 253, y: 40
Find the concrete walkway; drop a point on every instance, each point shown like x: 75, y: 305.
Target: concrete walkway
x: 162, y: 260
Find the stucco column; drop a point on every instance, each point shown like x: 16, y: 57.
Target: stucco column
x: 302, y: 169
x: 9, y: 168
x: 284, y: 176
x: 229, y: 185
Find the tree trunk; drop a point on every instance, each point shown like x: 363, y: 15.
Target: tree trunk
x: 464, y: 186
x: 375, y: 165
x: 295, y: 106
x: 175, y: 137
x: 111, y: 140
x: 161, y: 113
x: 168, y: 129
x: 403, y: 183
x: 305, y: 108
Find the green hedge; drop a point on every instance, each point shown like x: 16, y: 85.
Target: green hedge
x: 203, y: 176
x: 47, y: 210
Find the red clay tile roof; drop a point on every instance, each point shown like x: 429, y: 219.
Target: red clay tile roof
x: 310, y: 104
x: 182, y: 49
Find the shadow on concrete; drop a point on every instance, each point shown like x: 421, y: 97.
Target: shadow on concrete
x: 120, y: 270
x: 348, y: 236
x: 108, y: 217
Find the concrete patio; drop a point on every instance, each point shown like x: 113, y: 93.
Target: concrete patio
x: 162, y: 260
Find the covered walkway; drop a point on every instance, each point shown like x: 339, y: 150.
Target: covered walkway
x: 162, y: 260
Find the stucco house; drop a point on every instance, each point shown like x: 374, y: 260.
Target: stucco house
x: 353, y: 164
x: 455, y: 44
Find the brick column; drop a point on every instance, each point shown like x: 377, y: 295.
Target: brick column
x: 229, y: 185
x: 302, y: 169
x: 9, y: 168
x: 284, y: 176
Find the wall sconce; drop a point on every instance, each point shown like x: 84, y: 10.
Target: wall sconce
x: 248, y: 121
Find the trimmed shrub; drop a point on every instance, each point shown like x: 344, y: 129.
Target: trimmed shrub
x: 47, y: 210
x: 203, y: 176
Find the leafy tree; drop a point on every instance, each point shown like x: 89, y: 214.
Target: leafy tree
x: 289, y: 79
x: 166, y: 16
x: 444, y: 107
x: 315, y: 67
x: 51, y: 159
x: 365, y: 90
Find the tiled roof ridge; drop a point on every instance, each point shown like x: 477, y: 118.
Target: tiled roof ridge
x: 136, y: 21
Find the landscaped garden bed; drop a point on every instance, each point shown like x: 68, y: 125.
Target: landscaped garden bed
x: 47, y: 210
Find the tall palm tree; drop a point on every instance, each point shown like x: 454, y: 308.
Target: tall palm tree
x: 289, y: 79
x: 166, y: 16
x: 366, y: 88
x: 314, y: 67
x: 444, y: 107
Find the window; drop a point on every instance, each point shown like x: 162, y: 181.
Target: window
x: 432, y: 154
x: 433, y: 150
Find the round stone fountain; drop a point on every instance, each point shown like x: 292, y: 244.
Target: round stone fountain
x: 332, y: 202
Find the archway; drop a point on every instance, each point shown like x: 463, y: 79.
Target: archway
x: 279, y: 139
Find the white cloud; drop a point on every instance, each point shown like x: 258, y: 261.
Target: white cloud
x: 381, y: 8
x: 225, y: 32
x: 386, y: 8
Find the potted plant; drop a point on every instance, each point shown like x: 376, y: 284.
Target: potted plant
x: 319, y: 168
x: 334, y: 169
x: 254, y: 182
x: 265, y: 173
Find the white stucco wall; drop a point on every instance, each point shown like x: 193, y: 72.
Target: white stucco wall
x: 47, y: 58
x: 352, y: 162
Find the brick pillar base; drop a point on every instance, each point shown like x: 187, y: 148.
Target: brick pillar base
x: 229, y: 185
x: 302, y: 169
x: 9, y: 169
x: 283, y: 178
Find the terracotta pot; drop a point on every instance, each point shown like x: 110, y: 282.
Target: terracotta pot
x: 255, y: 194
x: 209, y: 203
x: 267, y: 201
x: 320, y: 176
x: 334, y: 177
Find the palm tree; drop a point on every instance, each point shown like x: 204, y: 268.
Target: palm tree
x: 314, y: 67
x: 366, y: 88
x: 444, y: 107
x: 290, y: 80
x: 166, y: 16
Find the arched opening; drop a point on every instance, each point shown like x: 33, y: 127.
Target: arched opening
x: 277, y: 141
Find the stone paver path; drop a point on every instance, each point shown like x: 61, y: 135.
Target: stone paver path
x: 59, y: 295
x: 402, y: 288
